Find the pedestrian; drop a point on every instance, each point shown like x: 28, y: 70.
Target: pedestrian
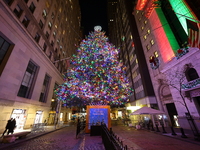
x: 8, y: 125
x: 12, y: 126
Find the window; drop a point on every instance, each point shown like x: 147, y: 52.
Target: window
x: 50, y: 25
x: 152, y: 42
x: 191, y: 74
x: 26, y: 1
x: 148, y: 31
x: 44, y: 47
x: 41, y: 24
x: 156, y: 54
x: 56, y: 50
x: 145, y: 37
x: 54, y: 34
x: 44, y: 14
x: 52, y: 43
x: 142, y: 28
x: 52, y: 15
x: 28, y: 81
x: 4, y: 46
x: 25, y: 21
x: 32, y: 7
x: 9, y: 2
x: 47, y: 34
x: 145, y: 22
x: 53, y: 101
x: 18, y: 11
x: 50, y: 54
x: 45, y: 87
x: 37, y: 37
x: 148, y: 47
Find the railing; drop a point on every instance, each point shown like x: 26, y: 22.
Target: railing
x: 191, y: 84
x: 110, y: 140
x: 39, y: 127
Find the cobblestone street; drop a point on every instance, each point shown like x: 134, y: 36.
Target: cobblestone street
x: 65, y: 139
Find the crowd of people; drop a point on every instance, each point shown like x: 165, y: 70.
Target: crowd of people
x: 10, y: 126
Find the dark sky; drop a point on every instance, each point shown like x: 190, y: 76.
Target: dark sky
x: 93, y: 12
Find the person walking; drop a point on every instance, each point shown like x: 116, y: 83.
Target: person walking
x: 8, y: 126
x: 12, y: 126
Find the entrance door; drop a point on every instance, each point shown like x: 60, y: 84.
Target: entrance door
x: 38, y: 117
x: 20, y: 117
x: 172, y: 114
x: 197, y: 103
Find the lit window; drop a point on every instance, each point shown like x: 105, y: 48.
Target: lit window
x: 148, y: 47
x: 47, y: 4
x: 142, y: 28
x: 145, y: 37
x: 44, y: 14
x: 145, y: 22
x: 152, y: 42
x: 50, y: 25
x: 148, y: 31
x: 54, y: 34
x: 56, y: 26
x: 156, y: 54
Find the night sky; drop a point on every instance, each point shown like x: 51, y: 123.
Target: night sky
x: 93, y: 12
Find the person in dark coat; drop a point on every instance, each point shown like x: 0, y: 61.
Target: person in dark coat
x: 12, y: 126
x: 8, y: 126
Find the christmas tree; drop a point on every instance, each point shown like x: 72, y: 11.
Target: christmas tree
x: 95, y: 74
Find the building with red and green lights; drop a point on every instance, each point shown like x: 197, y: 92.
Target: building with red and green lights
x: 169, y: 33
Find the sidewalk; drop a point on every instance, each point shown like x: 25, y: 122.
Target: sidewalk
x: 129, y: 136
x: 47, y: 129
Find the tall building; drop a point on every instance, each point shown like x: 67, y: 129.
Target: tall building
x: 123, y: 34
x: 169, y: 32
x: 36, y: 40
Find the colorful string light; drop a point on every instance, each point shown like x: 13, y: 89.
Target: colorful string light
x: 95, y: 74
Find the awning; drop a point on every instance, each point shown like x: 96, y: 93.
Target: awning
x: 147, y: 110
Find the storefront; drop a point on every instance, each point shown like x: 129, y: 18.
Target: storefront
x: 20, y: 117
x: 38, y: 117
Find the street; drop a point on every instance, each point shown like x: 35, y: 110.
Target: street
x: 65, y: 139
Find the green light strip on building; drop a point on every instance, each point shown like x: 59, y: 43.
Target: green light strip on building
x: 180, y: 7
x: 170, y: 36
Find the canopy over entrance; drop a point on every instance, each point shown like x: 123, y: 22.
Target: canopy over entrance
x: 152, y: 112
x: 147, y: 110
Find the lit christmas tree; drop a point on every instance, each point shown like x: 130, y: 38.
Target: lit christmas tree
x: 95, y: 74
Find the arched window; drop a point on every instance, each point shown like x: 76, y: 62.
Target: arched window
x: 191, y: 74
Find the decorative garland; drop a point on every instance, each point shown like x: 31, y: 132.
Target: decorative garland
x: 154, y: 62
x: 182, y: 51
